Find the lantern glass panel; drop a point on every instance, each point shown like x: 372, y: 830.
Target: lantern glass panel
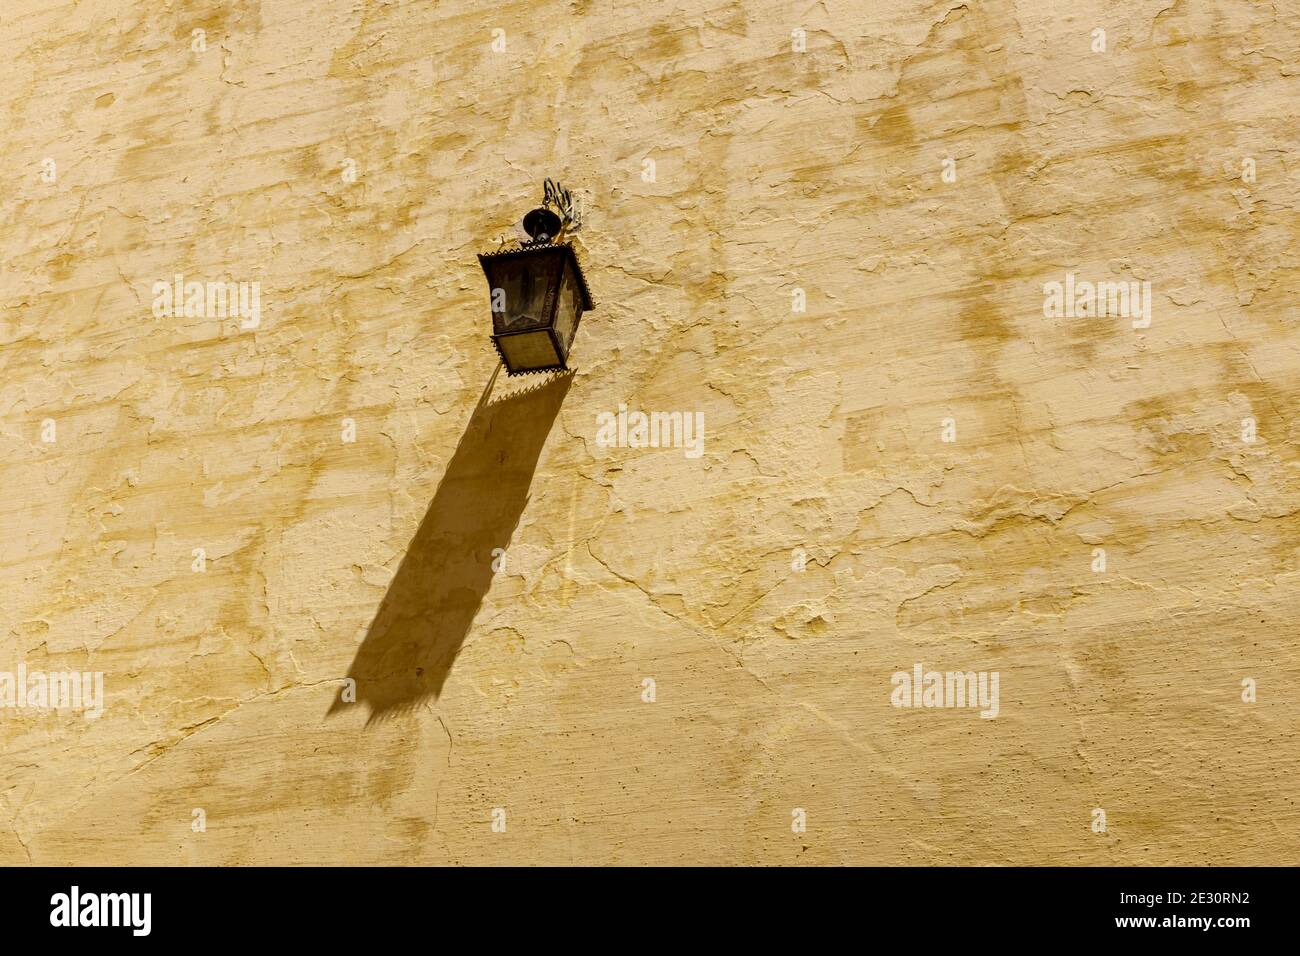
x: 527, y: 351
x: 568, y: 310
x: 525, y: 282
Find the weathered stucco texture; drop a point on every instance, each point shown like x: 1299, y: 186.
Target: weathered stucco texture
x: 523, y: 689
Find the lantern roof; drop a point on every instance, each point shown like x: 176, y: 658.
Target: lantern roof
x: 530, y: 248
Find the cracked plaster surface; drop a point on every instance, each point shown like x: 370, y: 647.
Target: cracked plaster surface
x: 775, y: 170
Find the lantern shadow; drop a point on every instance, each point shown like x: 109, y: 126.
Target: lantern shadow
x: 440, y: 583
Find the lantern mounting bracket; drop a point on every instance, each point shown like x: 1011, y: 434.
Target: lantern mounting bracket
x: 557, y: 214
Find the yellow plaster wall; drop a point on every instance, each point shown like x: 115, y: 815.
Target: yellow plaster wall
x: 522, y: 688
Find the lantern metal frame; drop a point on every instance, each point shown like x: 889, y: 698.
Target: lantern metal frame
x: 568, y: 258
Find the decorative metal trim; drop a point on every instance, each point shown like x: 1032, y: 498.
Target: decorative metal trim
x: 526, y: 390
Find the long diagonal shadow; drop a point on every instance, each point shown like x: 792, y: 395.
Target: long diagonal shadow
x: 440, y: 584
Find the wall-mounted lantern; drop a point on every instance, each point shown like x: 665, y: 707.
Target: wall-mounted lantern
x: 538, y: 290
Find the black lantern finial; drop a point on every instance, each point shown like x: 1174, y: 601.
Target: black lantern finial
x: 542, y: 225
x: 538, y: 291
